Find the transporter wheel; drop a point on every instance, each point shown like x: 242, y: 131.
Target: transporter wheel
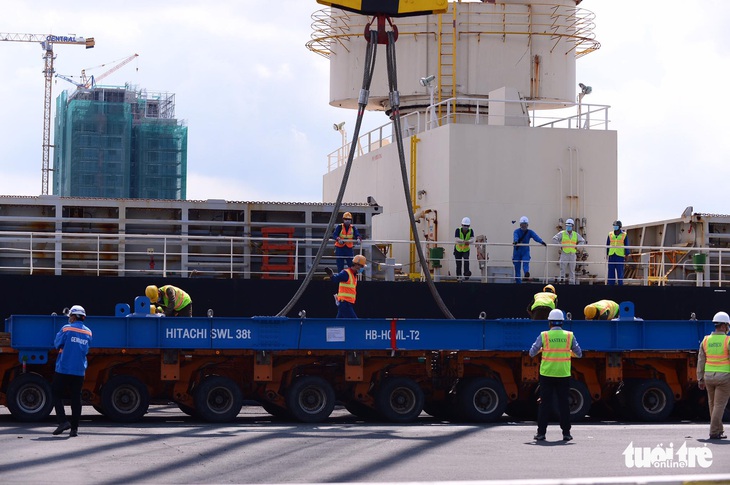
x: 310, y: 399
x: 124, y: 399
x: 29, y: 397
x: 650, y: 400
x: 218, y: 399
x: 399, y: 400
x: 579, y: 401
x: 481, y: 399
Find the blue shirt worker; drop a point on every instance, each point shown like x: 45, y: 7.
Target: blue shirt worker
x: 173, y: 301
x: 617, y: 241
x: 345, y: 235
x: 463, y: 236
x: 72, y: 342
x: 521, y: 253
x: 347, y: 292
x: 557, y: 347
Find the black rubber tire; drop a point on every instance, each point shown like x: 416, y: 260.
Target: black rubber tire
x: 99, y: 409
x: 310, y: 399
x: 481, y: 400
x: 399, y: 400
x: 650, y: 400
x: 218, y: 399
x: 124, y: 399
x: 362, y: 411
x: 579, y: 401
x: 29, y: 397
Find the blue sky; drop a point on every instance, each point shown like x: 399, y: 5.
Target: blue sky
x: 256, y: 100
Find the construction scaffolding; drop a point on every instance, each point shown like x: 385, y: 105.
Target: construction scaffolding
x: 119, y: 142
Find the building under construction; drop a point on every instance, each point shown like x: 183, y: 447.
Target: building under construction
x: 119, y: 142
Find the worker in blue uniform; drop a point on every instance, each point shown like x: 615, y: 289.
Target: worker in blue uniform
x: 616, y: 251
x: 521, y: 253
x: 72, y: 342
x: 345, y: 235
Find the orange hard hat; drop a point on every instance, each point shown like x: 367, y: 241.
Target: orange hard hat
x: 359, y: 259
x: 347, y: 215
x: 590, y: 312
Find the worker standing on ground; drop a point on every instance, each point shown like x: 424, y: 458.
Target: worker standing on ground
x: 616, y: 241
x: 464, y: 236
x: 345, y: 235
x: 601, y: 310
x: 557, y: 347
x: 521, y: 253
x: 568, y: 240
x: 72, y: 342
x: 173, y: 301
x: 543, y: 303
x: 347, y: 293
x: 713, y: 372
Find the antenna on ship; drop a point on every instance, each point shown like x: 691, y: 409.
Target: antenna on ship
x: 381, y: 11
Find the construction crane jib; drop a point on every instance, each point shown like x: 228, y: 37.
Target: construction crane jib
x: 47, y: 41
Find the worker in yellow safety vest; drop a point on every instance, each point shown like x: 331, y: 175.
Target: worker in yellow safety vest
x: 463, y: 237
x: 713, y: 372
x: 173, y: 301
x: 616, y: 251
x: 543, y: 303
x: 601, y: 310
x: 345, y: 235
x: 568, y: 240
x: 347, y: 292
x: 557, y: 347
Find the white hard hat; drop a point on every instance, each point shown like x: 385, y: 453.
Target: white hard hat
x: 556, y: 316
x: 77, y: 310
x: 569, y: 221
x: 524, y: 220
x: 721, y: 317
x: 466, y: 221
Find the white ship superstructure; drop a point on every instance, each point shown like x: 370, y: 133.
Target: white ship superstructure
x: 495, y: 126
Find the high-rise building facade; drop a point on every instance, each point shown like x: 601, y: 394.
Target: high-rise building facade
x: 119, y: 142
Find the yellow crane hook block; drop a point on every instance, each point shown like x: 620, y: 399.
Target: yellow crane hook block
x: 392, y: 8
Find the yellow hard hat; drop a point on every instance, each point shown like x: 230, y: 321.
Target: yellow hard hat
x: 359, y: 259
x: 152, y: 293
x: 347, y: 215
x: 590, y: 312
x: 549, y: 288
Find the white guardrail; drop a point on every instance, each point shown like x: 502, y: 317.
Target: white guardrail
x: 282, y: 258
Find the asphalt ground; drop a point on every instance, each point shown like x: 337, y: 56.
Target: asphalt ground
x: 167, y: 446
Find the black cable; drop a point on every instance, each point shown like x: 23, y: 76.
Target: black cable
x: 370, y: 56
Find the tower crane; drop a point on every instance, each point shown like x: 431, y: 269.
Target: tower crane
x: 47, y: 41
x: 88, y: 82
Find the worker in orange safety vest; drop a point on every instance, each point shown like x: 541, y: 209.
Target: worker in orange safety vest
x: 347, y: 292
x: 345, y: 235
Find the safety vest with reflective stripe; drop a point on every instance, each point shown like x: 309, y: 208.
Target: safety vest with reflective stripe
x: 569, y: 242
x: 462, y: 248
x: 348, y: 289
x: 544, y: 298
x: 182, y: 299
x: 716, y: 351
x: 606, y: 310
x: 617, y: 244
x: 347, y: 235
x: 556, y: 344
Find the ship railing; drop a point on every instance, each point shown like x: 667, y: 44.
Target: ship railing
x: 477, y: 111
x: 290, y: 258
